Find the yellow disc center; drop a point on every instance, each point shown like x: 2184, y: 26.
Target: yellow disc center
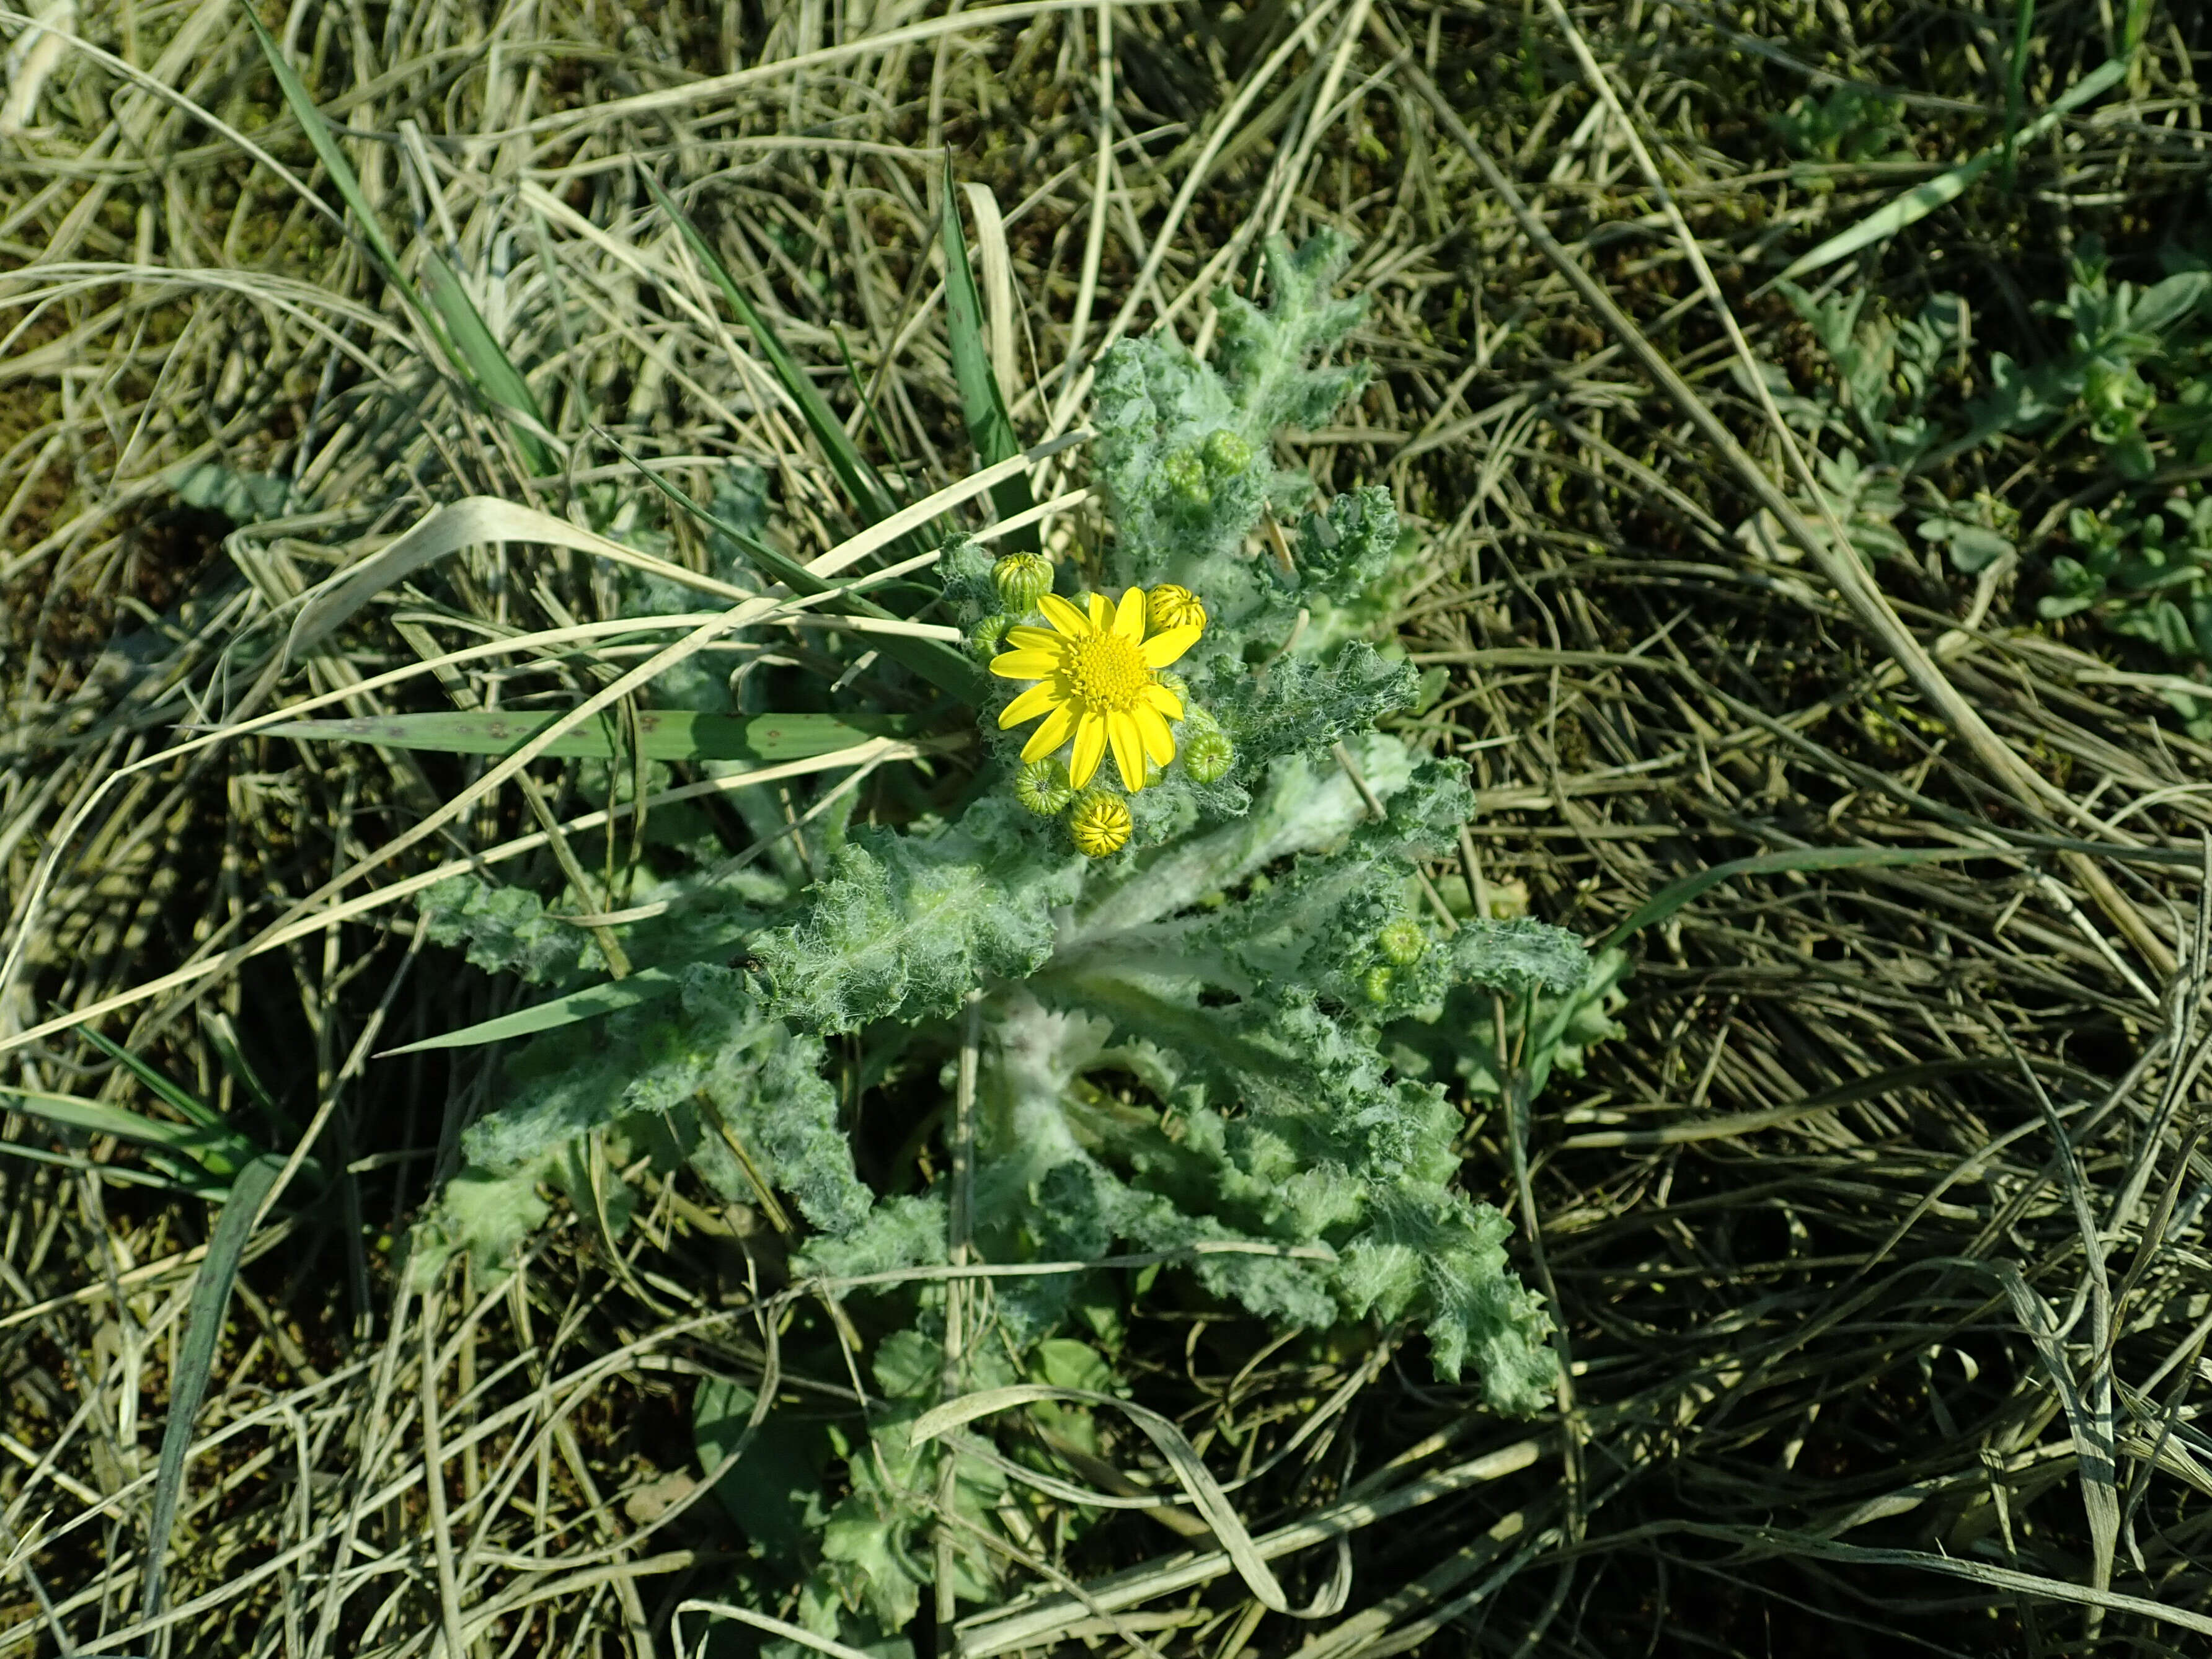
x: 1107, y: 672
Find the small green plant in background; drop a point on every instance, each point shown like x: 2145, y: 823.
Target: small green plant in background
x: 2133, y: 382
x: 1845, y: 124
x: 1165, y: 979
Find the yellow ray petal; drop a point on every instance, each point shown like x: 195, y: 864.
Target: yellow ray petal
x: 1089, y: 746
x: 1040, y: 698
x: 1128, y: 750
x: 1053, y: 734
x: 1159, y: 742
x: 1129, y: 616
x: 1064, y: 616
x: 1161, y: 649
x: 1101, y: 613
x: 1034, y: 639
x: 1165, y: 701
x: 1026, y: 664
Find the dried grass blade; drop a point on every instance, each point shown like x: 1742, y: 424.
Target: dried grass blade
x: 1670, y: 899
x: 1197, y: 1480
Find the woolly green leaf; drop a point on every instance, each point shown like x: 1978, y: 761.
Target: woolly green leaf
x: 774, y: 1489
x: 242, y: 497
x: 905, y: 925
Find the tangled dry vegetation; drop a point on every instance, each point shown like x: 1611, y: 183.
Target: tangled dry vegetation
x: 1875, y: 1242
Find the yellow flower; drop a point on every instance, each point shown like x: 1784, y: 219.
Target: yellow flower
x: 1097, y: 681
x: 1100, y: 824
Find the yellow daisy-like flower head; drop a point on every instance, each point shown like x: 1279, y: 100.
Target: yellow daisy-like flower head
x: 1098, y: 683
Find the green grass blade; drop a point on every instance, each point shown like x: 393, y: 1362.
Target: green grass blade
x: 1665, y: 902
x: 324, y: 142
x: 866, y: 405
x: 989, y: 427
x: 663, y: 734
x: 189, y: 1104
x: 211, y: 1288
x: 451, y: 318
x: 1921, y: 200
x: 2023, y: 25
x: 168, y: 1175
x: 852, y: 468
x: 646, y: 985
x: 934, y: 660
x: 223, y: 1035
x: 484, y: 360
x: 217, y: 1152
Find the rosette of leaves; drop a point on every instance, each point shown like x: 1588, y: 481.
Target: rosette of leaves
x: 1228, y: 1042
x: 2147, y: 578
x: 1846, y: 124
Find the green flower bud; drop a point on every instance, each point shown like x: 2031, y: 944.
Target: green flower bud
x: 1207, y: 754
x: 988, y: 637
x: 1171, y: 681
x: 1042, y: 785
x: 1402, y: 941
x: 1100, y: 824
x: 1023, y: 579
x: 1185, y: 475
x: 1377, y: 985
x: 1226, y: 452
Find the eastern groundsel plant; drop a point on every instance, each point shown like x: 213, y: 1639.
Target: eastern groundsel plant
x: 1203, y: 1013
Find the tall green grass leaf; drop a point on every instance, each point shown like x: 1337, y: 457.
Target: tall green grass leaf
x: 223, y: 1035
x: 2023, y: 26
x: 860, y: 398
x: 989, y: 427
x: 213, y: 1155
x: 451, y: 318
x: 211, y: 1289
x: 1921, y: 200
x: 934, y: 660
x: 325, y: 143
x: 189, y: 1104
x: 1665, y: 902
x: 663, y: 734
x: 646, y: 985
x: 852, y: 468
x: 486, y: 361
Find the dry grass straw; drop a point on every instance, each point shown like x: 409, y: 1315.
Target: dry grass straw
x: 1876, y: 1243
